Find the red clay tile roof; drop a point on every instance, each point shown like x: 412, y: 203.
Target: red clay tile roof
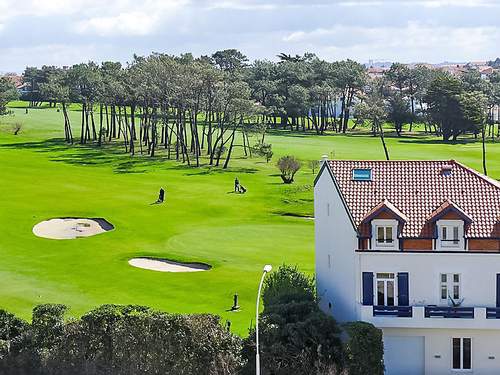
x: 418, y: 189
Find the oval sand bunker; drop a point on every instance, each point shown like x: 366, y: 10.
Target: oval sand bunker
x: 70, y: 228
x: 164, y: 265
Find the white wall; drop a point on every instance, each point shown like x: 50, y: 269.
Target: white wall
x: 337, y: 282
x: 438, y: 349
x: 477, y: 274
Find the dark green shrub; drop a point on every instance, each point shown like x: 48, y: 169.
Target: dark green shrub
x: 287, y: 284
x: 296, y: 337
x: 119, y: 340
x: 364, y: 349
x: 11, y: 326
x: 47, y: 324
x: 138, y: 340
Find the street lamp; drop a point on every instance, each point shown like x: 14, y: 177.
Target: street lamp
x: 267, y: 268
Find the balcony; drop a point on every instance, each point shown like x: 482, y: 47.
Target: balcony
x: 492, y: 313
x: 431, y: 317
x: 397, y: 311
x: 449, y: 312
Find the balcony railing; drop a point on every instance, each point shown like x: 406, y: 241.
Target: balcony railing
x: 432, y: 317
x: 397, y: 311
x: 449, y: 312
x: 493, y: 313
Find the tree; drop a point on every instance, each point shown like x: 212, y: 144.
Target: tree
x: 264, y: 149
x: 8, y: 93
x: 399, y: 75
x: 364, y: 349
x: 349, y: 77
x: 374, y: 110
x: 229, y: 60
x: 398, y: 111
x: 57, y: 90
x: 474, y: 109
x: 296, y: 336
x: 443, y: 103
x: 314, y: 165
x: 287, y: 284
x: 288, y: 166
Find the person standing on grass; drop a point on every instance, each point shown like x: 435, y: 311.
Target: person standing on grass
x: 236, y: 185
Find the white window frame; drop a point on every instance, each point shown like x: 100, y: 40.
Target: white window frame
x: 450, y: 283
x: 376, y: 223
x: 375, y: 286
x: 461, y: 369
x: 448, y: 245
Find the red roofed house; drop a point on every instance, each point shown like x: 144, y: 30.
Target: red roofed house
x: 413, y: 247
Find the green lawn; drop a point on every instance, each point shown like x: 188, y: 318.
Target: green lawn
x: 41, y: 177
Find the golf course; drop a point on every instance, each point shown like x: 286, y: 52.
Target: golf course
x: 201, y: 221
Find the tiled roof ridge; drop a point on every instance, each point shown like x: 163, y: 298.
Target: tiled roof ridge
x: 492, y: 181
x: 395, y: 161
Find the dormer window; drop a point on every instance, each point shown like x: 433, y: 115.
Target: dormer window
x: 450, y: 235
x: 384, y: 234
x: 362, y: 174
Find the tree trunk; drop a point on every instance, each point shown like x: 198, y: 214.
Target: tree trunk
x: 381, y: 132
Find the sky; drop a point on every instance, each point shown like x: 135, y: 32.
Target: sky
x: 65, y: 32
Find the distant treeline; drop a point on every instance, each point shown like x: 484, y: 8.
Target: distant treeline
x: 190, y: 107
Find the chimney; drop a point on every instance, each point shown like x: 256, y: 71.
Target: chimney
x: 324, y: 159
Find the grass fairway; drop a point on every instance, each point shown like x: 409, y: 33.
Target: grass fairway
x: 201, y: 221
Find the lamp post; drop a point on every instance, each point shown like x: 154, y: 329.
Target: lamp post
x: 267, y: 268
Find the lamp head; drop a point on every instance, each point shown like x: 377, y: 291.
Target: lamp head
x: 268, y: 268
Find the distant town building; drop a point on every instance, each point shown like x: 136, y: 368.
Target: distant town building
x: 17, y: 80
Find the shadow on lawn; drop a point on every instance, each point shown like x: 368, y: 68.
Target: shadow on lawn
x: 205, y: 169
x: 112, y: 156
x: 463, y: 141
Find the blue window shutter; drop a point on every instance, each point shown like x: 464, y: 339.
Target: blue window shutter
x: 498, y: 289
x: 403, y: 293
x: 367, y: 288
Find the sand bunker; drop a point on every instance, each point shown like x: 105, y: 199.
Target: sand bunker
x: 70, y: 228
x: 164, y: 265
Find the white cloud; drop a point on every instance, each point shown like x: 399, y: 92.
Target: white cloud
x: 423, y: 3
x: 240, y: 5
x: 414, y: 42
x: 133, y: 23
x: 125, y: 20
x: 126, y: 17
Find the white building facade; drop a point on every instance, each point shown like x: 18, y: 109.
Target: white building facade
x: 413, y: 247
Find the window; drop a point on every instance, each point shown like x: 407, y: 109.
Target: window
x: 362, y: 174
x: 450, y: 234
x: 384, y: 234
x: 462, y: 353
x: 385, y: 284
x: 450, y: 288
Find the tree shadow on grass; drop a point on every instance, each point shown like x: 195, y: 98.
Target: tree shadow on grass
x: 112, y: 156
x: 463, y: 141
x: 205, y: 169
x: 48, y: 145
